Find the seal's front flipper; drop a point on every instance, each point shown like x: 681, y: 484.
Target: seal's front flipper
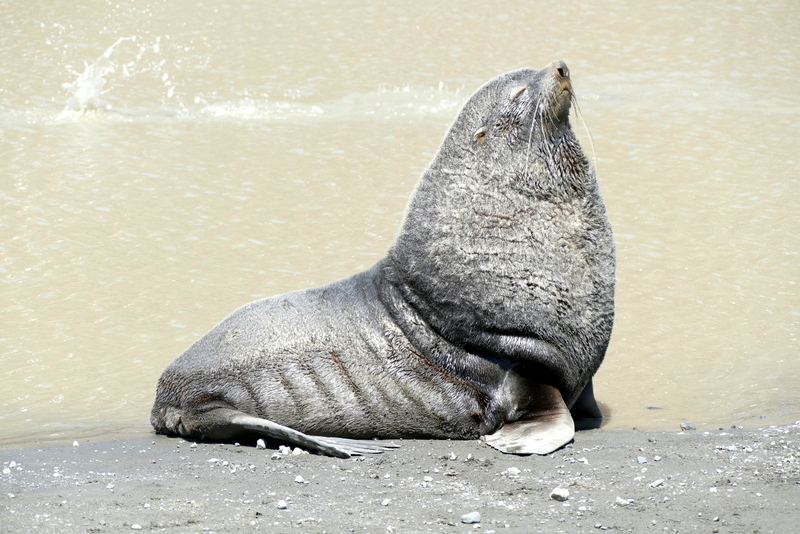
x: 549, y: 427
x: 585, y: 411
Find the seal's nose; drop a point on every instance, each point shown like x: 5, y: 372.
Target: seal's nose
x: 561, y: 68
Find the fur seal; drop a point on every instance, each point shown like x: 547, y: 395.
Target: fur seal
x: 488, y: 317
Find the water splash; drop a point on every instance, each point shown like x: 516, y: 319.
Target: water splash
x: 86, y: 90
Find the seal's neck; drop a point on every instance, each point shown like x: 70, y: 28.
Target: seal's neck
x: 491, y: 262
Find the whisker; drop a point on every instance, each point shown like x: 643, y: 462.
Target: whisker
x: 578, y: 112
x: 530, y: 137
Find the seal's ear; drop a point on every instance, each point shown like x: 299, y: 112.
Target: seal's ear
x: 516, y: 92
x: 480, y: 134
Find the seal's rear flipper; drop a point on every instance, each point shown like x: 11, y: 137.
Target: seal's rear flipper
x: 357, y: 447
x: 550, y: 427
x: 222, y: 424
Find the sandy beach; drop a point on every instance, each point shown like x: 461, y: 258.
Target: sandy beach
x: 725, y: 480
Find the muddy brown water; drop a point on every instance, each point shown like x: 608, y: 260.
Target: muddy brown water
x: 165, y: 163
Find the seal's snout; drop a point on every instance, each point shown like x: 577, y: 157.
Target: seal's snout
x: 561, y: 69
x: 560, y: 73
x: 559, y: 84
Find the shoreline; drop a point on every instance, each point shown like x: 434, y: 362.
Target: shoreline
x: 738, y: 480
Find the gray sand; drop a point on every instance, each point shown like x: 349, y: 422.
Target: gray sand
x: 621, y: 481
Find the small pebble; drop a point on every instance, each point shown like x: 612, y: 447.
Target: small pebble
x: 12, y: 464
x: 75, y: 444
x: 283, y: 449
x: 471, y: 518
x: 657, y: 483
x: 624, y: 502
x: 136, y: 526
x: 559, y: 494
x: 511, y: 471
x: 453, y: 456
x: 385, y: 502
x: 688, y: 425
x: 300, y: 480
x: 282, y: 505
x: 641, y: 459
x: 260, y: 444
x: 110, y: 486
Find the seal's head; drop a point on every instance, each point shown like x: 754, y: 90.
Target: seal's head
x: 520, y: 122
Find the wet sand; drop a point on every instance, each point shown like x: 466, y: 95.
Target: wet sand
x: 730, y: 480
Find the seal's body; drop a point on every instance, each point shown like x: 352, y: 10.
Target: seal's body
x: 488, y: 317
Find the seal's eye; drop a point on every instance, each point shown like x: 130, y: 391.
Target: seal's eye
x: 480, y: 134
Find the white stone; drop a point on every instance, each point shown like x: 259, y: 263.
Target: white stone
x: 471, y: 518
x: 559, y: 494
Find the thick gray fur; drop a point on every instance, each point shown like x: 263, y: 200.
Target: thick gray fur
x: 495, y: 305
